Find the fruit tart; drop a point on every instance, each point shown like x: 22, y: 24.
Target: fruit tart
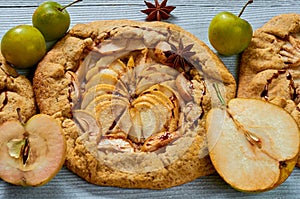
x: 132, y: 98
x: 269, y: 68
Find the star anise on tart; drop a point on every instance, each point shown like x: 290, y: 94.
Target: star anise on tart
x: 158, y: 11
x: 178, y: 56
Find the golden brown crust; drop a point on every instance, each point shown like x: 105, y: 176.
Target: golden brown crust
x: 16, y: 92
x: 56, y: 74
x: 269, y: 67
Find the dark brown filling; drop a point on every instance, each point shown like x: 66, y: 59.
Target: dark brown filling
x: 292, y: 86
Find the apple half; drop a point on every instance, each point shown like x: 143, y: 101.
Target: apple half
x: 253, y: 144
x: 31, y: 154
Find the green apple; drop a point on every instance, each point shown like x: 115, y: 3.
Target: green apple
x: 23, y: 46
x: 52, y: 19
x: 230, y: 34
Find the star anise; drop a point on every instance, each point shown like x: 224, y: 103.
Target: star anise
x: 158, y: 11
x: 178, y: 56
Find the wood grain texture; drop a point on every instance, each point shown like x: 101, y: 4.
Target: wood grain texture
x: 192, y: 15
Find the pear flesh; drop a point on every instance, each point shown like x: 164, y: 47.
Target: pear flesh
x: 31, y: 154
x: 253, y: 144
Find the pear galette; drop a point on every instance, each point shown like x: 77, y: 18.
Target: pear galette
x: 269, y: 67
x: 132, y: 98
x: 16, y: 94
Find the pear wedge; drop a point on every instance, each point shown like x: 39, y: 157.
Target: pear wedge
x: 124, y: 124
x: 118, y: 66
x: 253, y: 144
x: 97, y: 100
x: 136, y: 131
x: 31, y: 154
x: 87, y: 123
x: 150, y: 123
x: 150, y: 80
x: 104, y: 77
x: 184, y: 87
x: 162, y: 93
x: 94, y: 71
x: 108, y: 114
x: 95, y: 91
x: 161, y: 111
x: 163, y: 69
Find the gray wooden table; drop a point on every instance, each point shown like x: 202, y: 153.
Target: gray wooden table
x: 192, y: 15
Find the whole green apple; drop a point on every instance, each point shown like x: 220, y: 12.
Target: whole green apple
x: 23, y: 46
x: 52, y: 19
x: 229, y: 34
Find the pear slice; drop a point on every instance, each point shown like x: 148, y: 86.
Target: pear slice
x: 124, y: 124
x: 113, y: 99
x: 118, y: 66
x: 161, y: 111
x: 161, y: 92
x: 98, y: 90
x: 33, y: 153
x: 163, y: 69
x: 150, y: 80
x: 94, y: 71
x: 184, y: 87
x: 253, y: 144
x: 150, y: 123
x: 171, y: 85
x: 108, y: 114
x: 99, y: 70
x: 87, y: 123
x: 94, y: 92
x: 102, y: 98
x: 104, y: 77
x: 112, y: 46
x: 162, y: 99
x: 136, y: 131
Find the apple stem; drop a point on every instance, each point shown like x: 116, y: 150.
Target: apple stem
x: 249, y: 2
x: 216, y: 87
x: 70, y: 4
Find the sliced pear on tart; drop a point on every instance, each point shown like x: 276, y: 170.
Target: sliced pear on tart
x: 111, y: 98
x: 163, y: 69
x: 150, y: 123
x: 99, y: 90
x: 150, y: 80
x: 136, y: 132
x: 124, y: 122
x: 107, y: 113
x: 101, y: 78
x: 118, y: 66
x: 162, y: 113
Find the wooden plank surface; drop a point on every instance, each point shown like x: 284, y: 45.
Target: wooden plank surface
x: 194, y: 16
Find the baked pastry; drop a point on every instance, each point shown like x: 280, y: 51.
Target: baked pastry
x: 269, y: 67
x: 132, y: 98
x: 16, y: 92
